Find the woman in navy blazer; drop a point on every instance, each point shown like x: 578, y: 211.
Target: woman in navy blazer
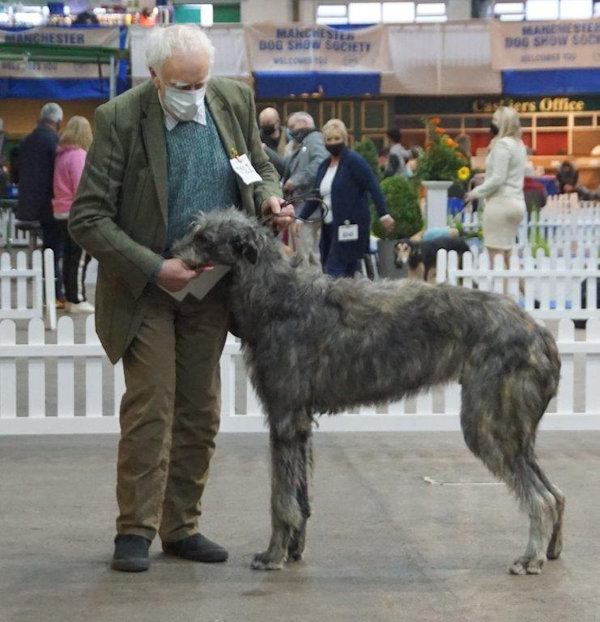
x: 343, y: 182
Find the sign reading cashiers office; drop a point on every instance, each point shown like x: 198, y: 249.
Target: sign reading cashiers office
x: 546, y: 104
x: 412, y: 105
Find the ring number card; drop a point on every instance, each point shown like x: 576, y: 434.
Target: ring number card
x: 347, y: 232
x: 243, y: 167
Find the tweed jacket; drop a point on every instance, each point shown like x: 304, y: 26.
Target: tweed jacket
x: 120, y: 211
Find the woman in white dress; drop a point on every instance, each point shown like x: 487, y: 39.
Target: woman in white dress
x: 503, y: 186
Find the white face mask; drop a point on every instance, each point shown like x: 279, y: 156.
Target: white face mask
x: 184, y: 105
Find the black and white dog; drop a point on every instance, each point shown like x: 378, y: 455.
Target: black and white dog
x: 420, y: 257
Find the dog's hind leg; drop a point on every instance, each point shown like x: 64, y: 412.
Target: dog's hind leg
x: 555, y: 545
x: 500, y: 429
x: 288, y: 516
x: 543, y: 510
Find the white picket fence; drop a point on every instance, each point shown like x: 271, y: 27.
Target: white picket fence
x: 552, y: 285
x: 23, y: 289
x: 67, y: 387
x: 564, y: 222
x: 9, y: 234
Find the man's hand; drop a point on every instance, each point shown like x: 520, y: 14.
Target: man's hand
x: 282, y: 216
x: 388, y: 222
x: 289, y: 186
x: 175, y: 274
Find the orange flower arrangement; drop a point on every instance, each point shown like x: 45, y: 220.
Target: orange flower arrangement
x: 441, y: 160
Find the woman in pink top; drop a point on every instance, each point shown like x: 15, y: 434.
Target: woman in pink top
x: 70, y: 160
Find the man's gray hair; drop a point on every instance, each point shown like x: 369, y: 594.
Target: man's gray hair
x: 51, y: 113
x: 177, y: 39
x: 304, y: 118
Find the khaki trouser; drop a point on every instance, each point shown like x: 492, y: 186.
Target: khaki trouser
x: 170, y: 413
x: 306, y: 243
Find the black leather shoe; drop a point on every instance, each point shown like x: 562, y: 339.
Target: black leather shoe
x: 131, y: 554
x: 196, y: 548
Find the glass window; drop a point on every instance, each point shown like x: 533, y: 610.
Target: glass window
x: 582, y: 121
x: 332, y: 14
x: 431, y: 12
x: 332, y: 10
x: 552, y: 121
x: 575, y: 9
x: 541, y: 9
x: 206, y: 14
x: 364, y: 13
x: 396, y: 12
x: 431, y: 8
x: 404, y: 11
x: 509, y: 8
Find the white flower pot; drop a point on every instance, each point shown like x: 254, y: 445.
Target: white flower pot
x: 437, y: 203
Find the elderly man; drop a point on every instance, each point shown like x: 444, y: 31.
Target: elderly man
x: 299, y: 177
x: 163, y: 152
x: 35, y: 174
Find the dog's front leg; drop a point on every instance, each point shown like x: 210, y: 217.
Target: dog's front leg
x: 298, y: 539
x: 288, y: 453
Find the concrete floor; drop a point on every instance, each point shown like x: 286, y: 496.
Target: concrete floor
x: 383, y: 544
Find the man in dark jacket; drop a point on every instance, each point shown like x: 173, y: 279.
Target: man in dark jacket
x: 272, y: 137
x: 36, y: 173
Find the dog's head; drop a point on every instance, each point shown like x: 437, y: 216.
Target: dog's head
x: 225, y: 237
x: 402, y: 252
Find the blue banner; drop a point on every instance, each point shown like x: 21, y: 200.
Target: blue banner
x: 551, y: 82
x: 336, y: 84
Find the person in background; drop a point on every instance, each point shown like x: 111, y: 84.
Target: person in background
x: 567, y: 176
x: 503, y: 186
x: 534, y: 191
x: 147, y: 17
x: 160, y: 157
x: 273, y: 137
x: 412, y: 162
x: 464, y: 146
x: 344, y: 180
x: 72, y: 149
x: 299, y: 178
x: 36, y: 177
x: 397, y: 155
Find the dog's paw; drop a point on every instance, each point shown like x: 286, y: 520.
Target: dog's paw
x: 527, y: 565
x: 296, y: 556
x: 264, y: 561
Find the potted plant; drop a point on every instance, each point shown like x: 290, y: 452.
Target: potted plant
x: 367, y: 149
x: 440, y: 165
x: 403, y: 205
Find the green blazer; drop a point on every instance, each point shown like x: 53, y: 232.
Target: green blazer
x: 119, y: 214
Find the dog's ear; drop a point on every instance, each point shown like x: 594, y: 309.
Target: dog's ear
x: 245, y: 247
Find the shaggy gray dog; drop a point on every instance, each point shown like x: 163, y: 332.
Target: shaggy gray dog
x: 317, y: 345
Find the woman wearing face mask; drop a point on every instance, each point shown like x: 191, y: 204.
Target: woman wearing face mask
x: 503, y: 186
x: 343, y: 181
